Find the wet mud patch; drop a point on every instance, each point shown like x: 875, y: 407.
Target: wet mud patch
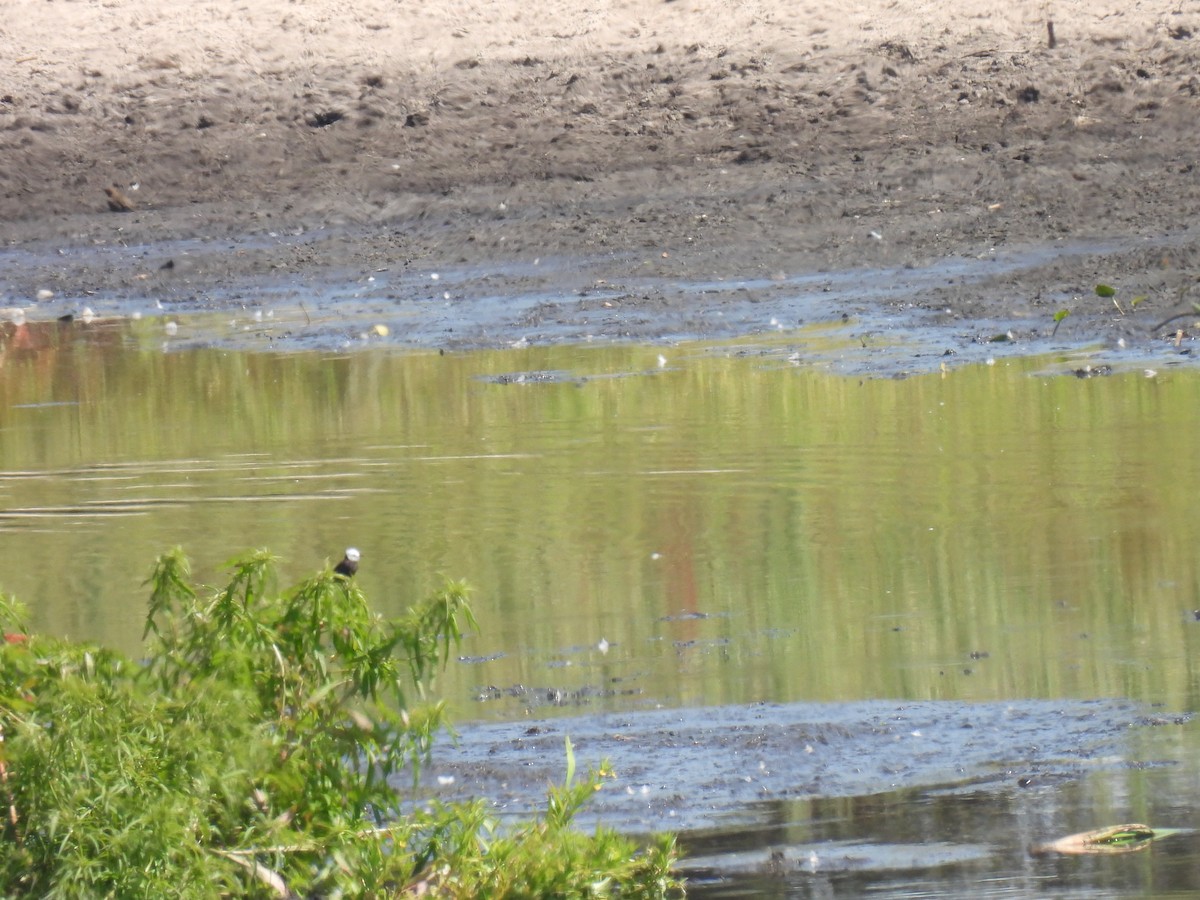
x: 728, y: 767
x: 336, y: 289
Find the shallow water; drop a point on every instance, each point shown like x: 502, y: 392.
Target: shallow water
x: 696, y: 525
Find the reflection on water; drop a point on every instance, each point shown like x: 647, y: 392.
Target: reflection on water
x: 719, y: 526
x: 731, y: 526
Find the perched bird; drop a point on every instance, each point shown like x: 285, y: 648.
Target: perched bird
x: 117, y: 201
x: 349, y: 564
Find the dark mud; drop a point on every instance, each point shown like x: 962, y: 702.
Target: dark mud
x: 891, y: 799
x: 727, y: 768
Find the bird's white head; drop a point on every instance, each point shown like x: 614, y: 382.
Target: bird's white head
x: 352, y: 554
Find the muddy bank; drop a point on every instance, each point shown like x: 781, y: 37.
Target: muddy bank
x: 637, y: 179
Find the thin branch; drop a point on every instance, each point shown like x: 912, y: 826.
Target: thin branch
x: 13, y: 818
x: 1182, y: 315
x: 269, y: 877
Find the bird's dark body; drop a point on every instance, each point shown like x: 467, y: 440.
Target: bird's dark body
x: 349, y: 564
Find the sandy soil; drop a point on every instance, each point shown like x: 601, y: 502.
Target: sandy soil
x: 649, y: 146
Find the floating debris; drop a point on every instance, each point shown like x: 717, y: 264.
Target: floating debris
x: 1111, y: 840
x: 553, y: 696
x: 545, y: 377
x: 685, y: 616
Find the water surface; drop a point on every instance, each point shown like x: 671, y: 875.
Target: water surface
x: 734, y: 526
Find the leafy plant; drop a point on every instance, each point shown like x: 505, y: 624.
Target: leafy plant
x: 256, y: 752
x: 1108, y: 291
x: 1058, y: 320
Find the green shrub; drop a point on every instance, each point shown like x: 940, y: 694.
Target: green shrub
x: 255, y: 754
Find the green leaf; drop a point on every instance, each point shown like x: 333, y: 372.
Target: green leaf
x: 1104, y: 290
x: 1111, y: 840
x: 1137, y: 301
x: 570, y: 762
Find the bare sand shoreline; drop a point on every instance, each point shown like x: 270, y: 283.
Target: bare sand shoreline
x: 687, y: 141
